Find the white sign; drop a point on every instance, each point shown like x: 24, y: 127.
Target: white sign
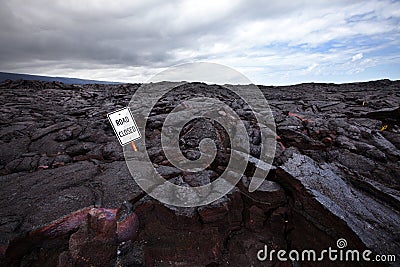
x: 124, y: 125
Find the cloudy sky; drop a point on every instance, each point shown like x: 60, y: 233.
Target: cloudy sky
x: 271, y: 42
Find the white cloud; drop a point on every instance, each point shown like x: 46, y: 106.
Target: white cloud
x: 269, y: 41
x: 357, y: 57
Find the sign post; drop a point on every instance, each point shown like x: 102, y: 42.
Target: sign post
x: 124, y: 126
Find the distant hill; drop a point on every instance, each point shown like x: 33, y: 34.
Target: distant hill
x: 16, y: 76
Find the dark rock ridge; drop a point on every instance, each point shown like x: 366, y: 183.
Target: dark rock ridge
x: 9, y: 77
x: 335, y: 175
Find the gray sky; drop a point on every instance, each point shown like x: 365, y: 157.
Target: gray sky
x: 271, y: 42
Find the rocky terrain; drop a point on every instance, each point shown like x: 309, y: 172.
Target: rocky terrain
x: 67, y: 195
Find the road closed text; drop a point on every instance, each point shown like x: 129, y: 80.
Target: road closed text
x: 127, y: 131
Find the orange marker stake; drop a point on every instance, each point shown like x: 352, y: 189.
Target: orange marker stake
x: 134, y: 146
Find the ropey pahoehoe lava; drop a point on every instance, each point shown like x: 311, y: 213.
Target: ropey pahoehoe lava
x: 334, y: 175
